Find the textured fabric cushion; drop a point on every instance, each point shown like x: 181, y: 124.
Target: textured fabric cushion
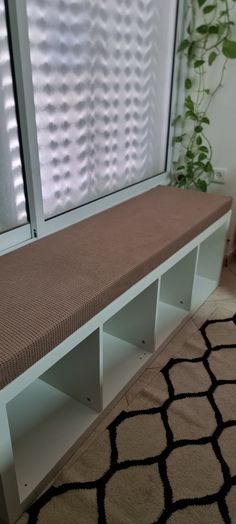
x: 52, y: 287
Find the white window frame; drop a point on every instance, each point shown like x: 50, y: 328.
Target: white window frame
x: 39, y: 227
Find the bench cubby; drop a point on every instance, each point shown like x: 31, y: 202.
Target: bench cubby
x: 128, y: 340
x: 175, y: 295
x: 47, y: 418
x: 209, y: 262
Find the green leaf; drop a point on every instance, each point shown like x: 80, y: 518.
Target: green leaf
x: 190, y: 51
x: 201, y: 185
x: 189, y: 103
x: 213, y: 29
x: 229, y: 48
x: 201, y: 2
x: 202, y: 29
x: 192, y: 115
x: 199, y: 63
x: 222, y: 28
x: 184, y: 44
x: 178, y: 138
x: 200, y: 165
x: 198, y: 129
x: 211, y: 58
x: 204, y: 149
x: 201, y: 157
x: 207, y: 91
x: 208, y: 168
x: 180, y: 168
x: 208, y: 8
x: 190, y: 167
x: 205, y: 120
x: 188, y: 83
x: 176, y: 119
x: 189, y: 154
x: 199, y: 141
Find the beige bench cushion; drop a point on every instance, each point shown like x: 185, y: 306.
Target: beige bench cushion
x: 53, y: 286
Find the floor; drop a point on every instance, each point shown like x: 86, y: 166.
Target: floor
x: 224, y: 297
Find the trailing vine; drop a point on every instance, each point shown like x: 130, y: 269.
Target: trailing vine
x: 208, y: 41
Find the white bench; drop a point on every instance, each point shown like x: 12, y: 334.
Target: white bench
x: 83, y: 311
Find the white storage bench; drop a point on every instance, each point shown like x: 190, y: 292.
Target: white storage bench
x: 83, y: 310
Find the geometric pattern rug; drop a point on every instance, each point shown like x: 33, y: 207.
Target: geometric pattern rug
x: 170, y: 458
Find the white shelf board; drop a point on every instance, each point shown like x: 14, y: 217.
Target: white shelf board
x: 203, y: 287
x: 122, y: 361
x: 169, y: 317
x: 44, y: 424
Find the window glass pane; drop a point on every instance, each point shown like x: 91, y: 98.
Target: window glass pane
x: 12, y: 198
x: 102, y: 80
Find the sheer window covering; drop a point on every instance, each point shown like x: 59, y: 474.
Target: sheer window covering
x: 102, y: 81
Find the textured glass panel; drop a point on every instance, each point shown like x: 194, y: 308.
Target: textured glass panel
x: 12, y: 198
x: 102, y: 78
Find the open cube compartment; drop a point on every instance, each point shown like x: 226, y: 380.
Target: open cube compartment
x: 209, y: 264
x: 128, y: 340
x: 48, y: 417
x: 175, y: 296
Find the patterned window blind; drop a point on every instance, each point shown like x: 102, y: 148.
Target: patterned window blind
x: 12, y: 197
x: 102, y: 73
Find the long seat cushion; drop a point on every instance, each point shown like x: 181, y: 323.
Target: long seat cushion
x: 55, y: 285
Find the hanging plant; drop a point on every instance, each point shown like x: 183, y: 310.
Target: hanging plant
x: 208, y: 43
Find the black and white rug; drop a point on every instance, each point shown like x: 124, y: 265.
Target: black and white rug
x: 171, y: 457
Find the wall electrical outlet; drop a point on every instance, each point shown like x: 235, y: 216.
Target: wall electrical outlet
x: 219, y: 175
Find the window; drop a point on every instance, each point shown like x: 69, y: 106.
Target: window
x: 12, y: 197
x: 93, y: 83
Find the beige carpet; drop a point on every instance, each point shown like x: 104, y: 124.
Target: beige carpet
x: 171, y: 457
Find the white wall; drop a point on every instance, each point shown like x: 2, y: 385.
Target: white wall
x: 222, y: 134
